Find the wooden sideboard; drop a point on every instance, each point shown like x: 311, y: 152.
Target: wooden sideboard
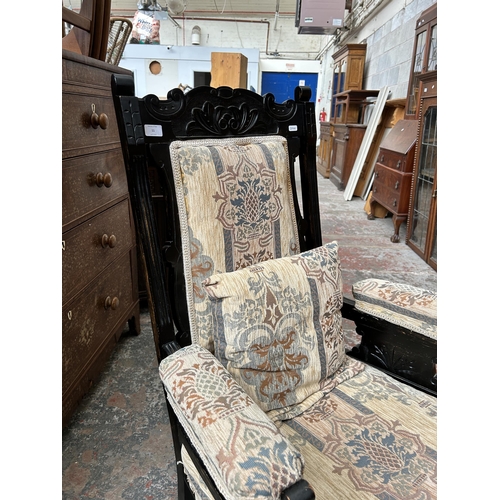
x: 99, y: 255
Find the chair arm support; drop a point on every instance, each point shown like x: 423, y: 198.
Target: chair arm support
x: 240, y: 447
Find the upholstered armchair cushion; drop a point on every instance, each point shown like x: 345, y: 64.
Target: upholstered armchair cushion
x: 400, y: 304
x: 235, y: 209
x: 278, y: 329
x: 241, y: 448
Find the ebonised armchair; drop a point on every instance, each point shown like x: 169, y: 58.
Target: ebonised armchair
x: 246, y: 308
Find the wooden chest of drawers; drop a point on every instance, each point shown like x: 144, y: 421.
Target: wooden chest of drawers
x: 99, y: 256
x: 393, y: 173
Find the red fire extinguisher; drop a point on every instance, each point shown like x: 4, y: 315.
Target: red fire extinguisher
x: 322, y: 115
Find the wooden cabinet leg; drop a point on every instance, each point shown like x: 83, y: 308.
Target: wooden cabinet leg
x: 396, y: 220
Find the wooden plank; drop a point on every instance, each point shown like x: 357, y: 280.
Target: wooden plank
x: 366, y: 142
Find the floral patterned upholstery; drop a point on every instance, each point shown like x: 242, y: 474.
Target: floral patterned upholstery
x: 242, y: 449
x: 370, y: 437
x: 401, y: 304
x: 278, y: 329
x: 235, y: 209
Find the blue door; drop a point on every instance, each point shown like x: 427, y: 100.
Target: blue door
x: 282, y: 85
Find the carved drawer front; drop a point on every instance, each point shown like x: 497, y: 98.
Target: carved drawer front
x: 396, y: 161
x: 91, y: 182
x: 88, y: 123
x: 90, y: 247
x: 91, y: 315
x: 391, y: 189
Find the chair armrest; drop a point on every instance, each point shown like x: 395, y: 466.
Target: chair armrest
x: 404, y: 305
x: 241, y: 448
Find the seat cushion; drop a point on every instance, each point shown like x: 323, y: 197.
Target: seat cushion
x: 372, y: 437
x: 408, y: 306
x: 235, y: 208
x: 278, y: 329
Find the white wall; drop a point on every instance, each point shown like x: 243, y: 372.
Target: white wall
x: 269, y: 36
x: 178, y: 66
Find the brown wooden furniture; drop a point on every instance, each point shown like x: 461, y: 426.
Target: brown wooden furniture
x: 404, y: 137
x: 422, y: 219
x: 421, y: 105
x: 347, y: 140
x: 393, y: 111
x: 424, y: 57
x: 393, y: 173
x: 229, y: 69
x: 90, y: 28
x: 99, y: 255
x: 348, y: 103
x: 325, y: 148
x: 348, y: 64
x: 348, y: 135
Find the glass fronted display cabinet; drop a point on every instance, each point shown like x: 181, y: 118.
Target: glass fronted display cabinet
x: 422, y: 228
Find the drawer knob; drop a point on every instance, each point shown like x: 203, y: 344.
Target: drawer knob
x: 374, y: 189
x: 398, y: 164
x: 103, y: 179
x: 101, y: 120
x: 108, y: 241
x: 396, y: 185
x: 376, y: 174
x: 112, y: 303
x: 381, y: 158
x: 394, y: 203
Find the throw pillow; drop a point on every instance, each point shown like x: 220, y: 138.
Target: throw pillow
x: 278, y: 329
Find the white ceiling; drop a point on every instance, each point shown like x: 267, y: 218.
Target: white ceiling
x: 214, y: 8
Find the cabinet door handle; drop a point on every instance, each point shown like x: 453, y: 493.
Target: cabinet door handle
x: 101, y: 120
x: 108, y: 241
x: 396, y: 185
x: 112, y: 303
x: 103, y: 179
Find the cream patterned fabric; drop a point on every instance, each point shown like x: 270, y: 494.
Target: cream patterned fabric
x: 235, y: 208
x: 278, y: 329
x: 241, y: 448
x: 400, y: 304
x: 370, y: 438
